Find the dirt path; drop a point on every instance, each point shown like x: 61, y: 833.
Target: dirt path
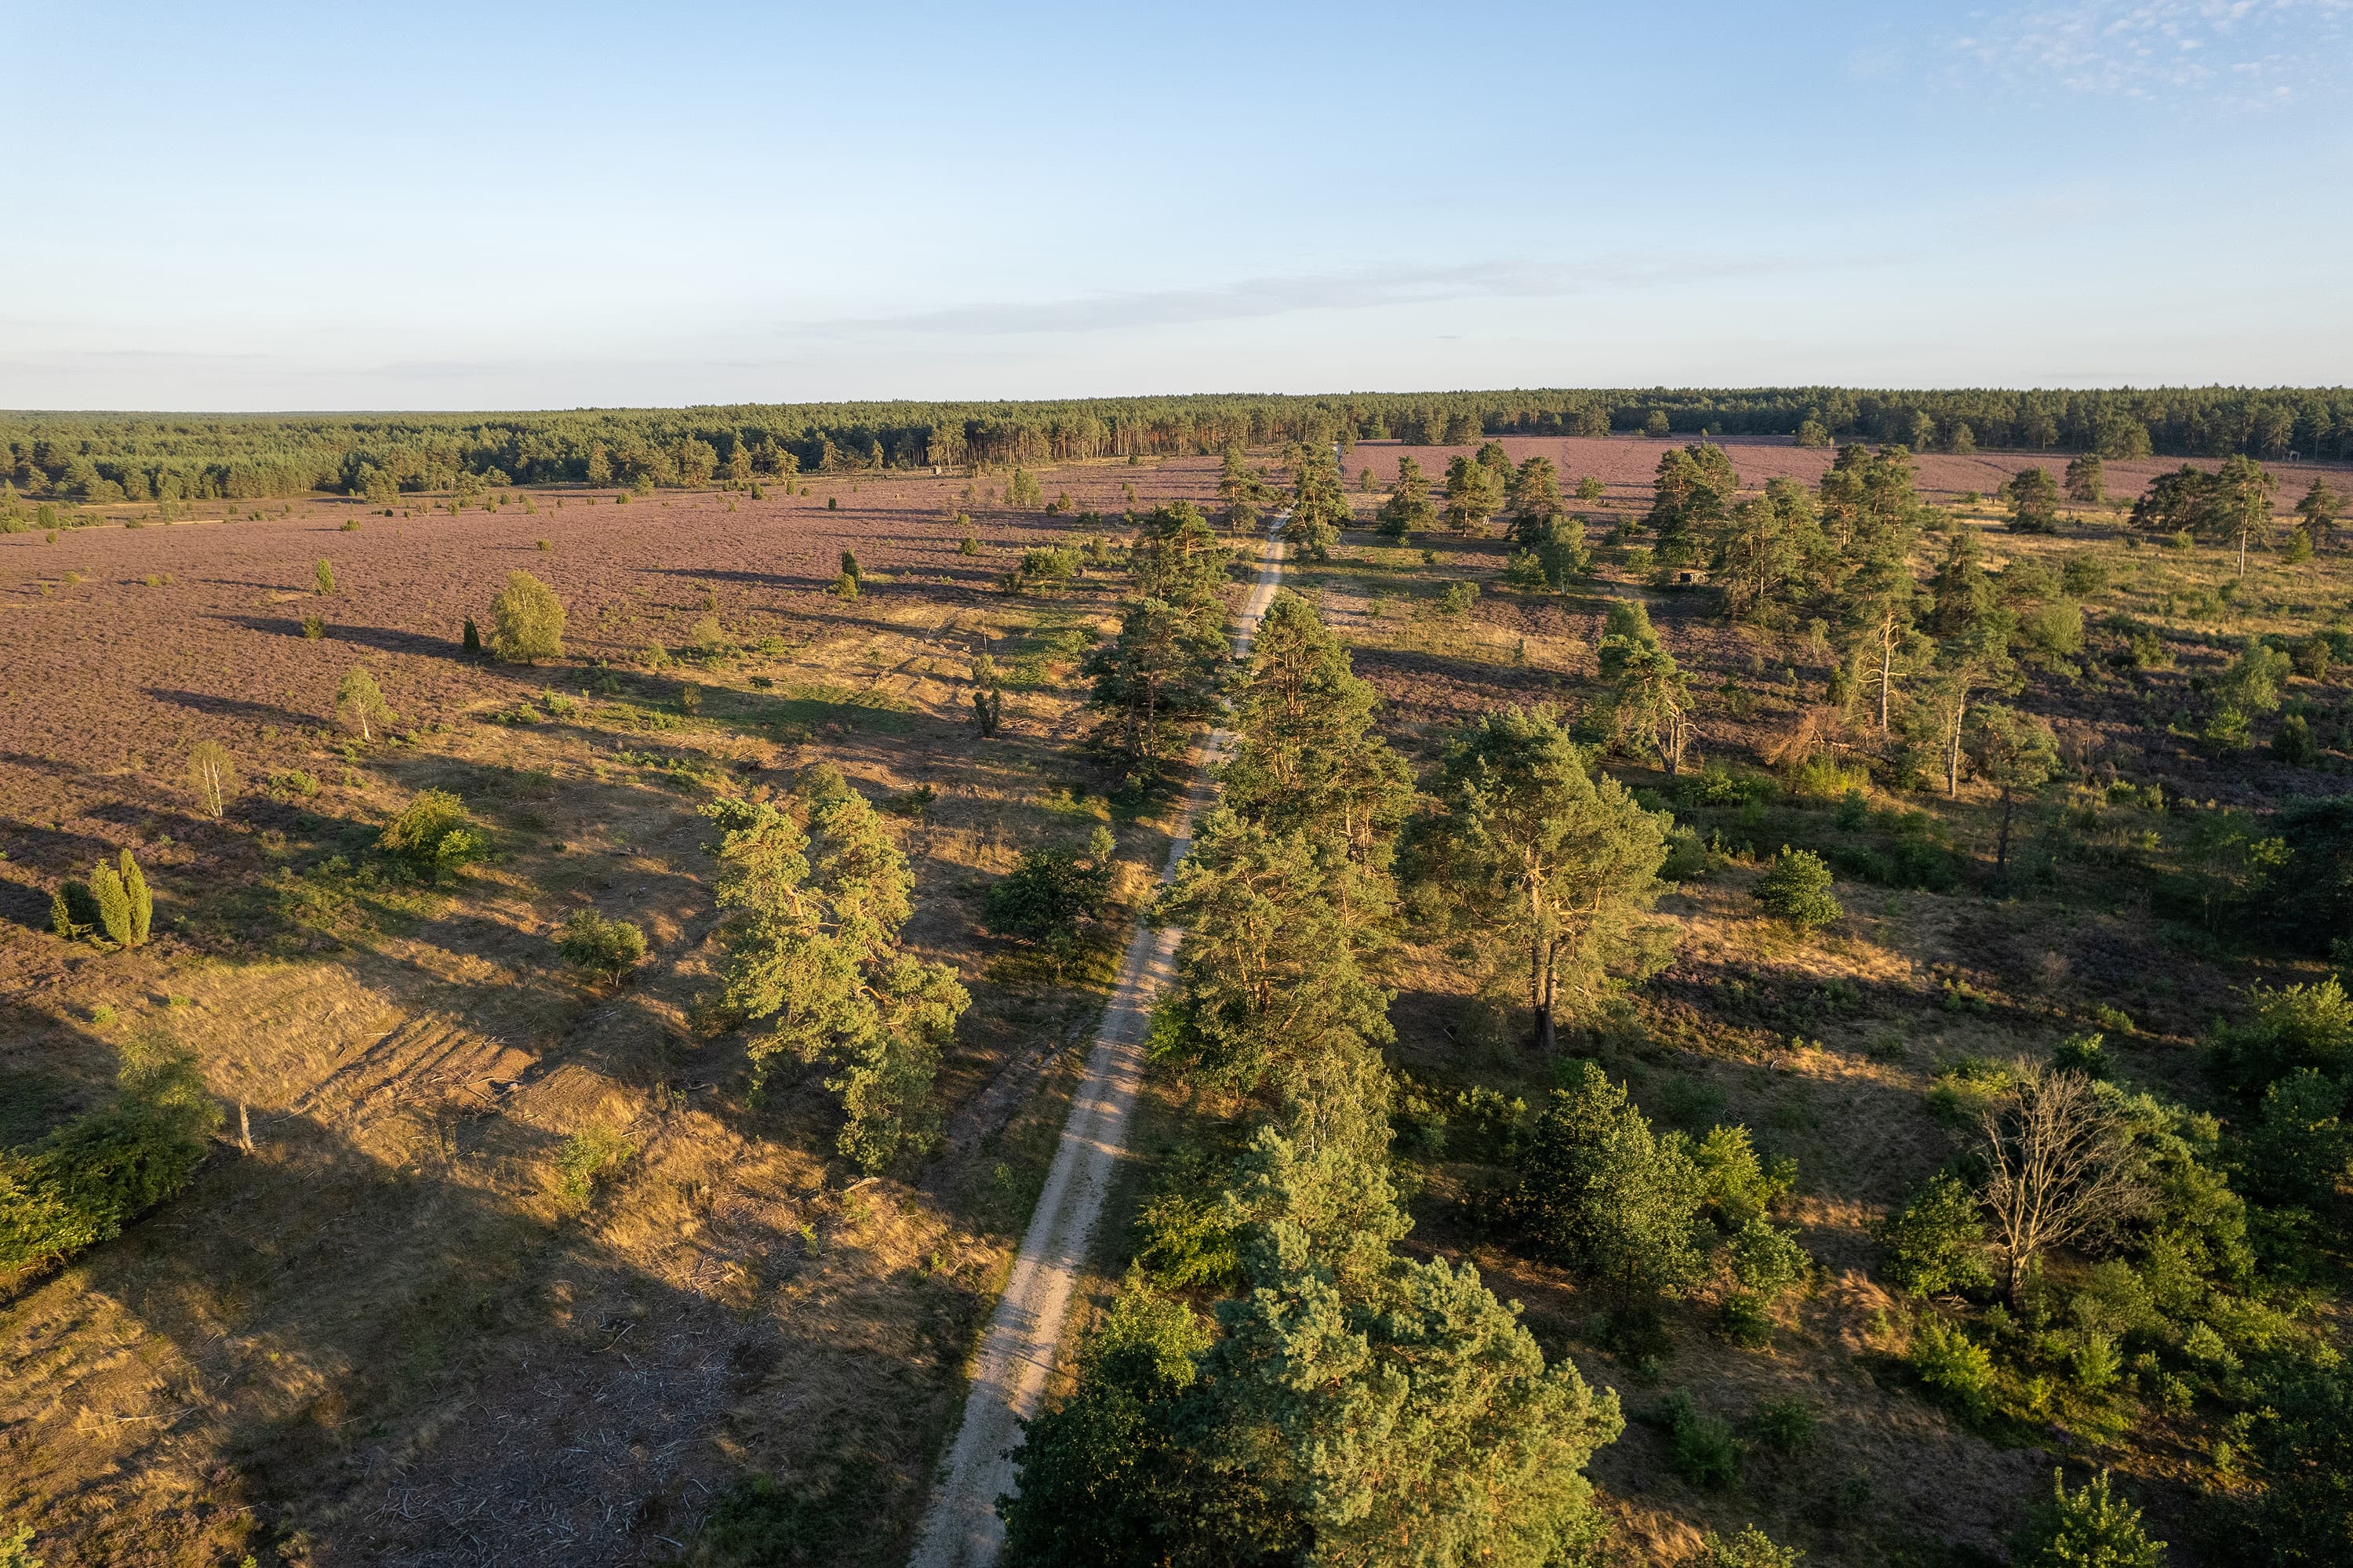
x: 1017, y: 1352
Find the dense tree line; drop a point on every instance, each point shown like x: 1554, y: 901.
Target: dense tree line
x: 1345, y: 1404
x: 107, y: 457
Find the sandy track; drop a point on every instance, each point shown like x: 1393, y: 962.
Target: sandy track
x: 1016, y: 1352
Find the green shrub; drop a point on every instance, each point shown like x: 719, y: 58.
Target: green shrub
x: 1934, y: 1244
x: 1745, y: 1319
x: 1751, y: 1548
x: 1766, y: 1259
x: 1783, y: 1426
x: 588, y: 1157
x: 2084, y: 1054
x: 433, y: 838
x: 1959, y: 1093
x: 2293, y: 743
x: 1738, y: 1185
x: 2087, y: 1528
x: 1525, y: 570
x: 1050, y: 898
x: 608, y: 950
x: 2292, y: 1027
x: 1796, y: 888
x: 1953, y: 1366
x: 290, y: 786
x: 2095, y: 1361
x: 2084, y: 575
x: 82, y: 1183
x: 1701, y: 1448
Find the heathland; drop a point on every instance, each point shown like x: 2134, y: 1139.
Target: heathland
x: 541, y: 989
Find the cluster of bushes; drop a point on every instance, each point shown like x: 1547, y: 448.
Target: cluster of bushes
x: 114, y: 909
x: 2098, y: 1242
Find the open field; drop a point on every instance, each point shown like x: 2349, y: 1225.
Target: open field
x: 387, y: 1334
x: 391, y: 1332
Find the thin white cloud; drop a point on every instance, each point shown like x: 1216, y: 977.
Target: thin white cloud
x: 2247, y: 54
x: 1362, y: 289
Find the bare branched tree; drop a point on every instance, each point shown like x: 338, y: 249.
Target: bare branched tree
x: 2059, y: 1166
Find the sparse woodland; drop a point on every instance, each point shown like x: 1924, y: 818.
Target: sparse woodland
x: 1738, y: 999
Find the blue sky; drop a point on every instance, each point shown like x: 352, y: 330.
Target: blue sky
x: 492, y: 206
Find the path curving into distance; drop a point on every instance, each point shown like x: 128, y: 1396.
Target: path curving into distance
x: 1017, y: 1352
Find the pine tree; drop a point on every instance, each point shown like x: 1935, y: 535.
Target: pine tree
x: 1962, y: 594
x: 2086, y: 482
x: 1600, y: 1195
x: 324, y: 579
x: 2239, y: 505
x: 470, y: 643
x: 1762, y: 552
x: 1319, y: 504
x: 1401, y: 1409
x: 2034, y: 501
x: 1534, y: 501
x: 817, y: 893
x: 1866, y: 497
x: 1690, y: 492
x: 2016, y: 754
x: 1158, y: 678
x: 1546, y: 861
x: 1650, y: 697
x: 1407, y: 507
x: 1267, y: 975
x: 2317, y: 511
x: 1241, y: 491
x: 1308, y: 759
x: 1879, y: 600
x: 1473, y: 493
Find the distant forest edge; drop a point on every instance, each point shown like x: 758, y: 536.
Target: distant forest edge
x: 91, y: 457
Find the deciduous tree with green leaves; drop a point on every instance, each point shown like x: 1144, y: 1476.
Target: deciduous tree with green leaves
x: 360, y: 706
x: 526, y: 621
